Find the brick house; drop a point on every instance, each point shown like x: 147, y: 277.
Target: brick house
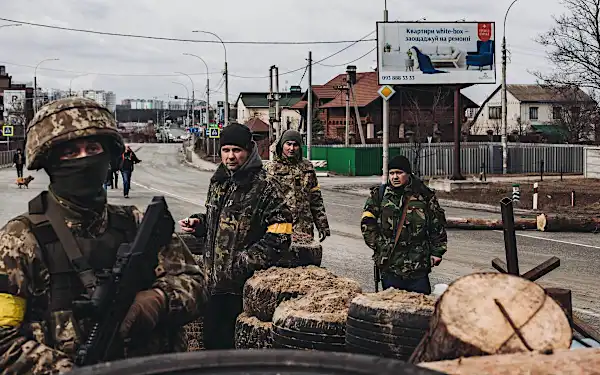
x: 425, y: 109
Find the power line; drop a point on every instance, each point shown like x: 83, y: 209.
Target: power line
x: 180, y: 39
x: 350, y: 62
x: 107, y: 74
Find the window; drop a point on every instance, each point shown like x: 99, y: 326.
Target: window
x: 495, y: 113
x: 557, y: 113
x: 533, y: 113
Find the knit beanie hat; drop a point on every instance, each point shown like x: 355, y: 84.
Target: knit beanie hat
x: 291, y: 135
x: 236, y: 135
x: 400, y: 162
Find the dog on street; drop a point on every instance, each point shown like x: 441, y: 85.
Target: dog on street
x: 24, y: 181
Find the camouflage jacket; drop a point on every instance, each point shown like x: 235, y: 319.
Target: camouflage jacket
x: 423, y: 233
x: 36, y: 341
x: 302, y: 193
x: 247, y: 225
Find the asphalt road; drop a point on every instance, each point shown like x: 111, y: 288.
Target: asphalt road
x: 162, y: 173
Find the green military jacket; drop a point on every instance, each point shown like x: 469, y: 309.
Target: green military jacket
x: 302, y: 193
x: 247, y: 225
x: 423, y: 233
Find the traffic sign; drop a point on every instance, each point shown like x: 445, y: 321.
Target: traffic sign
x: 214, y: 133
x: 7, y: 131
x: 386, y: 92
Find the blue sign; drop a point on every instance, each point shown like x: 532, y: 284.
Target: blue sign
x: 7, y: 131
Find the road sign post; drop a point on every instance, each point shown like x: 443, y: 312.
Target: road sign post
x: 386, y: 92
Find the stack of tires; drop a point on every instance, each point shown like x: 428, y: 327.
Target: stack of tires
x: 267, y: 289
x: 316, y: 321
x: 390, y: 323
x: 193, y: 331
x: 304, y: 251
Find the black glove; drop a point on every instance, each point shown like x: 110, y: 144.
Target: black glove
x: 323, y: 233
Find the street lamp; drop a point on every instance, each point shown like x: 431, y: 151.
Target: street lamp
x: 193, y: 97
x: 186, y: 90
x: 225, y: 72
x: 503, y: 95
x: 207, y: 85
x: 71, y: 82
x: 35, y: 103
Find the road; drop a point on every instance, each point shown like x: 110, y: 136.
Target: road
x: 162, y: 173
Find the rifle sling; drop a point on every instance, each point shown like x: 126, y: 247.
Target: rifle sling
x: 72, y: 249
x: 388, y: 259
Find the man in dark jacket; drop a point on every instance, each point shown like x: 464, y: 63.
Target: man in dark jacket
x: 19, y: 162
x: 129, y: 159
x: 247, y: 227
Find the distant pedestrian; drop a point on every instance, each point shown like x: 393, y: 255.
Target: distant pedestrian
x: 405, y: 226
x: 128, y: 160
x: 19, y: 162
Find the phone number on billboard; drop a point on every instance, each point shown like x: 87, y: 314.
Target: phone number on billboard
x: 397, y: 78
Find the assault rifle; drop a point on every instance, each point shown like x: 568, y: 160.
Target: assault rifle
x: 376, y: 276
x: 133, y: 271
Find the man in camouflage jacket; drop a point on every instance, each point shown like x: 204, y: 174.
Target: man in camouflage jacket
x: 404, y: 263
x: 247, y: 227
x: 301, y: 188
x: 40, y: 327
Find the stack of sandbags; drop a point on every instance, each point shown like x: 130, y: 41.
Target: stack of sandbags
x: 267, y: 289
x: 492, y: 313
x: 390, y: 323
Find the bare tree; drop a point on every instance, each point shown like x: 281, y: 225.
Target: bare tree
x: 424, y: 110
x: 573, y: 45
x: 575, y: 111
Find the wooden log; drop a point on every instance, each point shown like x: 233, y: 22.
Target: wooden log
x: 493, y: 313
x: 486, y: 224
x: 574, y: 362
x: 561, y: 223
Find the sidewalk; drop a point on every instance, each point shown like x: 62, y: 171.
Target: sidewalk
x: 193, y: 160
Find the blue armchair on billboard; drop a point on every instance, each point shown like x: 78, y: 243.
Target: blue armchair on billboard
x: 484, y: 55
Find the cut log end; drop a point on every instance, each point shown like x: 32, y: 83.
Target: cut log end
x: 492, y: 313
x: 580, y: 362
x: 541, y: 222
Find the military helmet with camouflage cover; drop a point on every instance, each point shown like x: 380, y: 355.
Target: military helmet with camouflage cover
x: 65, y: 120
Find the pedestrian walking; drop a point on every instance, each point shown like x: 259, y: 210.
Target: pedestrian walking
x: 301, y: 190
x: 405, y: 226
x: 53, y: 255
x: 128, y: 160
x: 247, y: 227
x: 19, y: 162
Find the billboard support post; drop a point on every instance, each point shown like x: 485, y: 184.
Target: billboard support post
x: 456, y: 172
x: 504, y: 97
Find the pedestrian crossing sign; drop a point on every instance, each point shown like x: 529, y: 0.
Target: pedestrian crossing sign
x: 7, y: 131
x: 214, y: 133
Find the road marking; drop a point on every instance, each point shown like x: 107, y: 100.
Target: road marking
x: 553, y: 240
x: 201, y: 203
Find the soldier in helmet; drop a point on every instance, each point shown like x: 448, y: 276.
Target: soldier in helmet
x: 73, y: 140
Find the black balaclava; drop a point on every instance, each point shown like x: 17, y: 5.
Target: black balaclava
x: 80, y: 181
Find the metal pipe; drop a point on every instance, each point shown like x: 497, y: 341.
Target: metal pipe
x: 504, y: 97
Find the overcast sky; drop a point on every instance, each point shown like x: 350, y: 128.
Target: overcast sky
x: 234, y: 20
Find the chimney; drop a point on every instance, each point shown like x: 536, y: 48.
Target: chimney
x: 2, y: 70
x: 351, y: 71
x: 295, y: 89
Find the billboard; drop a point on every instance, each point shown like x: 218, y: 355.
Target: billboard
x: 436, y: 53
x: 14, y: 101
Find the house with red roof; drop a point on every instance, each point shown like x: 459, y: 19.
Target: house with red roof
x: 429, y: 108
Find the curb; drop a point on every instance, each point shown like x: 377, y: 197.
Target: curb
x: 192, y: 165
x: 447, y: 203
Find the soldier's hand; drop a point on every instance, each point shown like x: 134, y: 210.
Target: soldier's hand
x: 323, y: 233
x: 435, y: 261
x: 145, y: 312
x: 188, y: 225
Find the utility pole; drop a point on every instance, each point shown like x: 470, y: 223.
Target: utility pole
x: 504, y: 98
x: 277, y: 97
x: 309, y: 109
x: 226, y: 93
x: 270, y: 98
x: 347, y: 89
